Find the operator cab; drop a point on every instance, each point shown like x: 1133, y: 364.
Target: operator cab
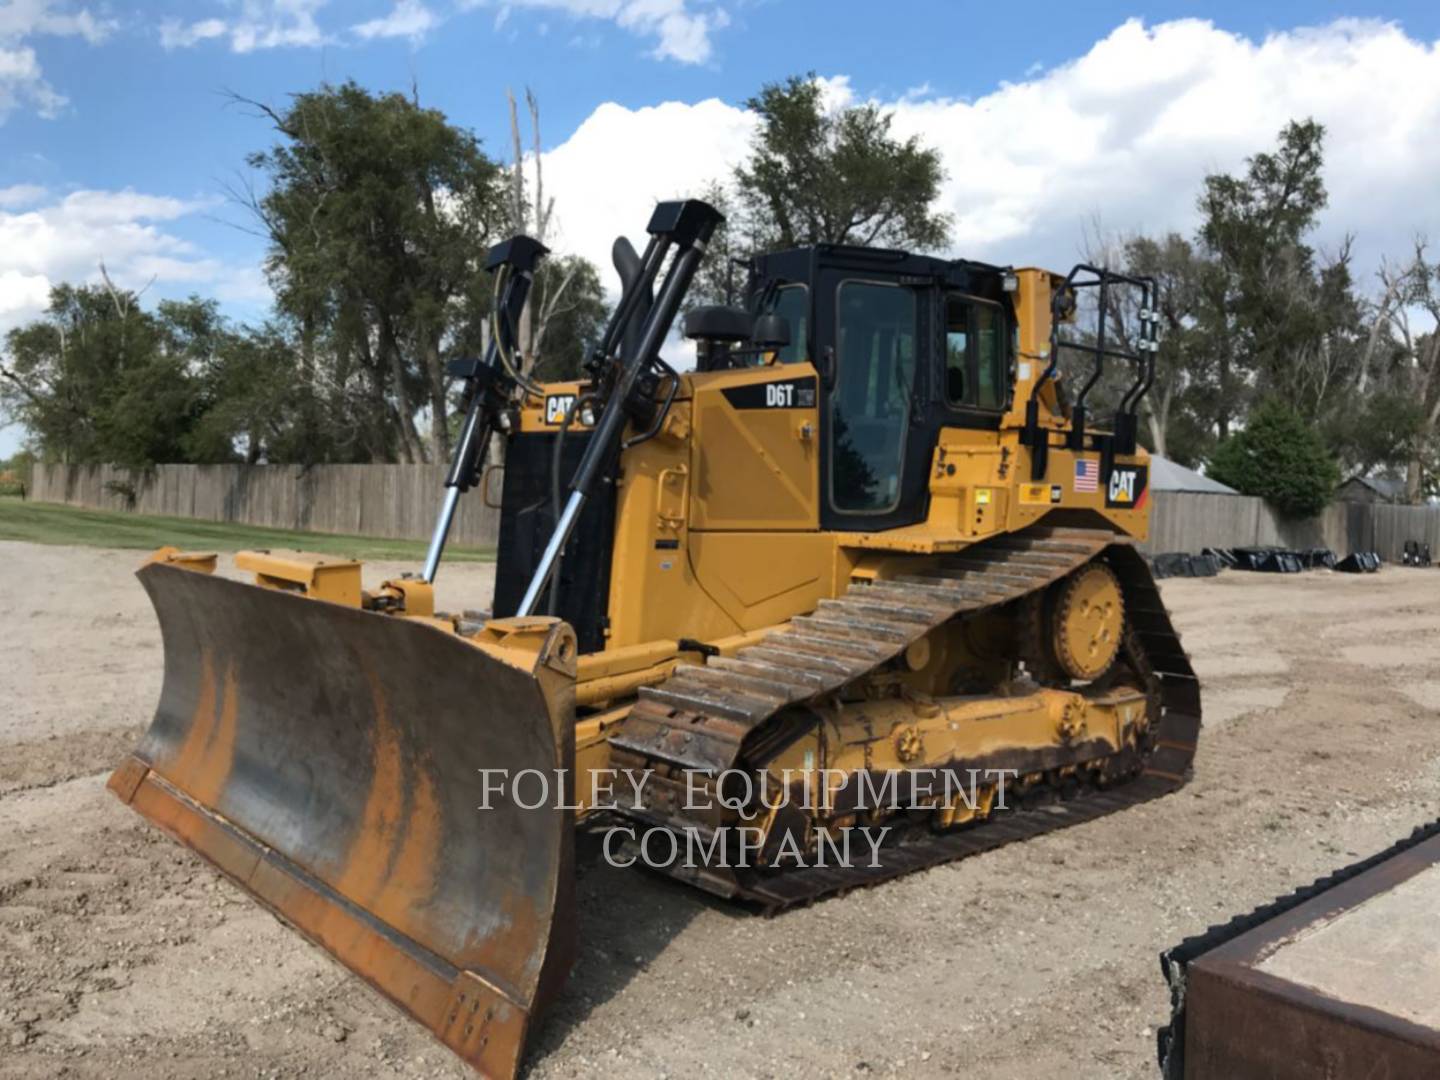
x: 902, y: 344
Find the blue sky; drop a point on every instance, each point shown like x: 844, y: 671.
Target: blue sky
x: 1054, y: 121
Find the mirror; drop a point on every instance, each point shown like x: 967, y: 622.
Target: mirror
x: 771, y: 332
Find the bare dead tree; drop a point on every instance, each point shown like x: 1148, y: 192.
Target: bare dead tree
x: 1382, y: 313
x: 535, y: 215
x: 1323, y: 364
x: 1411, y: 291
x: 124, y: 303
x: 1425, y: 366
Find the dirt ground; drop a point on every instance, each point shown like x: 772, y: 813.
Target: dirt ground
x: 120, y: 953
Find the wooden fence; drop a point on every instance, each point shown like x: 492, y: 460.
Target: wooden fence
x: 401, y: 501
x: 392, y: 501
x: 1190, y: 521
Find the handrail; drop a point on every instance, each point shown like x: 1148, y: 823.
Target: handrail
x: 1123, y: 437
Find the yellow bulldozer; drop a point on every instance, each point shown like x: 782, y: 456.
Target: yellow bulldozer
x: 856, y: 596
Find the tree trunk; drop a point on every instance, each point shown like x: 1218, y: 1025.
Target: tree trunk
x: 1223, y: 419
x: 439, y: 412
x: 410, y: 446
x: 549, y: 308
x: 1159, y: 421
x: 310, y: 439
x: 521, y: 212
x: 525, y: 335
x: 1415, y: 468
x: 376, y: 426
x: 1372, y: 340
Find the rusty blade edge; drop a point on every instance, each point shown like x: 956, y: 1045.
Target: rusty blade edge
x: 444, y: 999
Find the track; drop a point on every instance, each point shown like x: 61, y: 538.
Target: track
x: 701, y: 718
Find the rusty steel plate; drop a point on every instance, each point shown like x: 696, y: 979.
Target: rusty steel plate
x: 328, y: 760
x: 1340, y: 979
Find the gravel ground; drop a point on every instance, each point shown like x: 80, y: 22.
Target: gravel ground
x: 121, y: 953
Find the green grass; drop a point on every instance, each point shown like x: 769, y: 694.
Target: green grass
x: 50, y: 523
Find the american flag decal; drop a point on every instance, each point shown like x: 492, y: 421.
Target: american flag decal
x: 1087, y: 475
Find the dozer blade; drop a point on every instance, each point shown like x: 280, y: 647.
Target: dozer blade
x: 328, y: 760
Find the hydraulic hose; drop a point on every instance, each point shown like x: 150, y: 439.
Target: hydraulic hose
x: 557, y: 499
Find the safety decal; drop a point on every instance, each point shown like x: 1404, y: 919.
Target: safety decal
x: 1040, y: 494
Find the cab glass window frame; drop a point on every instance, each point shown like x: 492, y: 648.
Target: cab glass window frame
x: 975, y: 351
x: 872, y: 401
x: 793, y: 302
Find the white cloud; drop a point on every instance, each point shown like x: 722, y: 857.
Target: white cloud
x: 256, y: 24
x: 1124, y: 133
x: 20, y: 195
x: 177, y: 35
x: 1128, y: 131
x: 837, y: 93
x: 56, y: 239
x: 681, y: 28
x: 608, y: 176
x: 244, y: 285
x: 25, y: 18
x: 22, y: 294
x: 407, y: 19
x: 22, y: 82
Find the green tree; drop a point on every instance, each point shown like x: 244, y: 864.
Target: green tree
x: 18, y: 462
x: 574, y: 317
x: 1263, y: 309
x: 15, y: 472
x: 1279, y: 457
x: 379, y: 213
x: 1400, y: 370
x: 721, y: 277
x: 1249, y: 311
x: 836, y: 176
x: 1383, y: 429
x: 562, y: 334
x: 255, y: 403
x: 98, y: 379
x: 819, y: 176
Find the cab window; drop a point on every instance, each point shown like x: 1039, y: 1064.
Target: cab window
x: 957, y: 351
x: 974, y: 353
x: 870, y: 406
x: 793, y: 302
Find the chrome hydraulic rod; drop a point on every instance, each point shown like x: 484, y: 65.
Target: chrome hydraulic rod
x: 689, y: 225
x: 558, y: 540
x: 488, y: 385
x: 442, y: 530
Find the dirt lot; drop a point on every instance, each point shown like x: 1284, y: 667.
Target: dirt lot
x: 121, y: 953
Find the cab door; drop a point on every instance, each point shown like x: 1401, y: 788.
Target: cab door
x: 872, y: 332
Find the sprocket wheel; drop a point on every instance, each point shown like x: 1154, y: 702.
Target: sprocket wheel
x: 1088, y: 622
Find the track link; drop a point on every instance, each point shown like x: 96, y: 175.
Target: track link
x: 701, y: 717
